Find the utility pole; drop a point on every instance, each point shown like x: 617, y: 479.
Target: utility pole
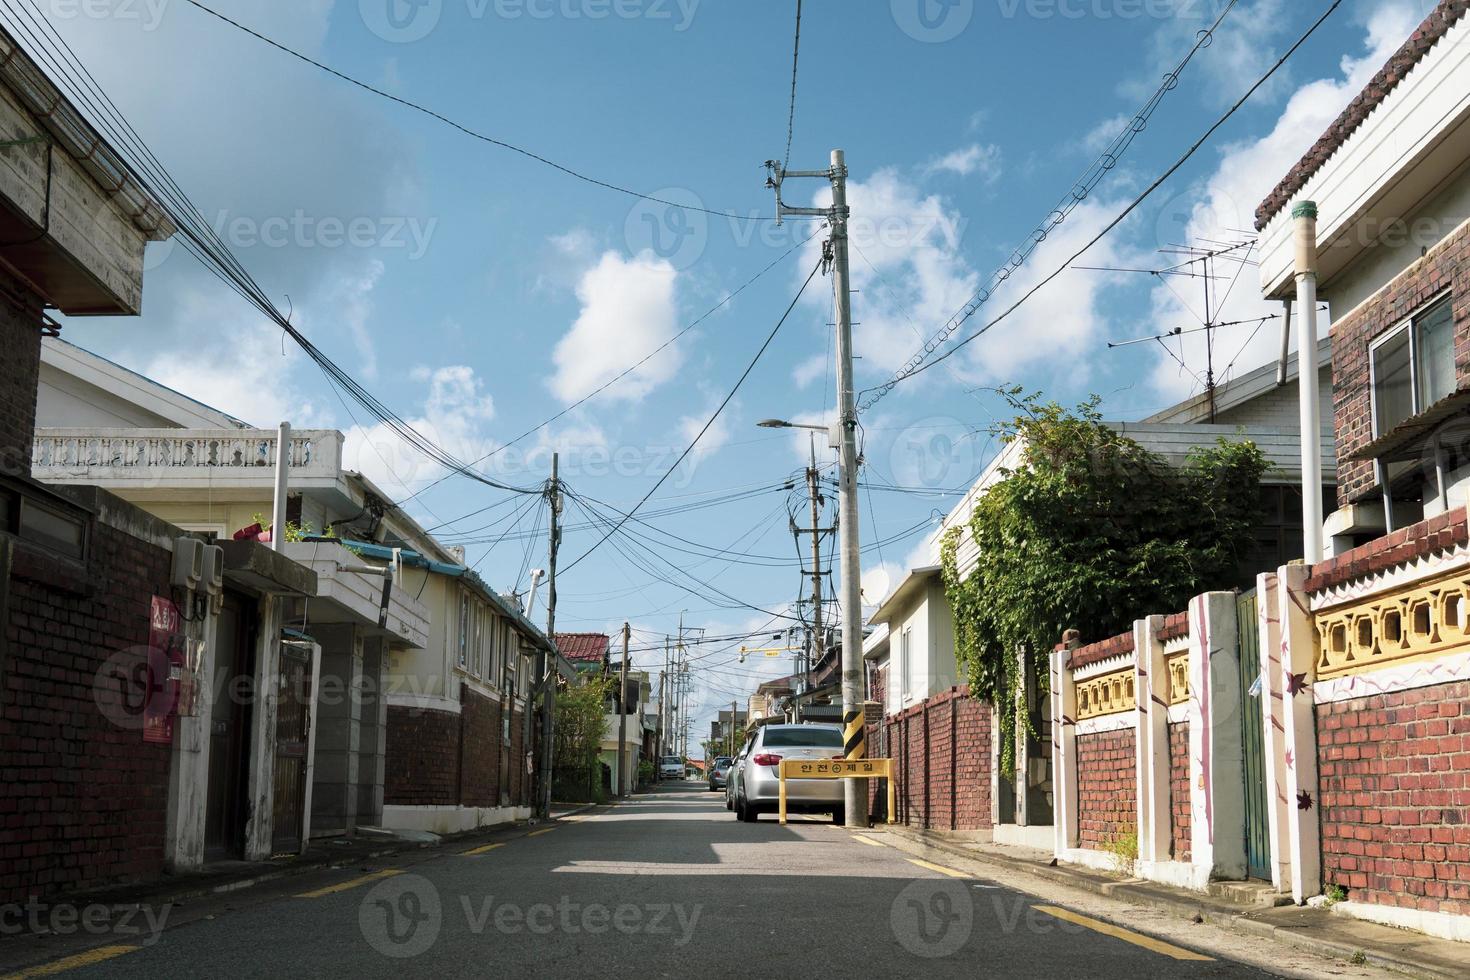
x: 623, y: 717
x: 855, y: 791
x: 855, y: 795
x: 665, y: 717
x: 546, y: 671
x: 731, y: 750
x: 816, y: 647
x: 658, y: 734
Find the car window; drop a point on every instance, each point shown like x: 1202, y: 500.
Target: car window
x: 801, y: 736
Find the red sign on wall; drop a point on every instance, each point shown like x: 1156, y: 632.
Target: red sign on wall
x: 166, y: 660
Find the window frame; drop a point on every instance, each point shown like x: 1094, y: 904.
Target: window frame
x: 1409, y: 323
x: 464, y: 614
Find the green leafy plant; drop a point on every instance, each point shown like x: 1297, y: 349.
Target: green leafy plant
x: 1089, y: 530
x: 1335, y: 894
x: 1122, y: 844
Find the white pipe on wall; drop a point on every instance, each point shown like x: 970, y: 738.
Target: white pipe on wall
x: 1305, y: 217
x: 278, y: 506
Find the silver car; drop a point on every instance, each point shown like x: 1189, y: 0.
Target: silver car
x: 732, y: 777
x: 757, y: 777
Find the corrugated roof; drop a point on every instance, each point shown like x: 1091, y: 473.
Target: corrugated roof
x: 584, y: 647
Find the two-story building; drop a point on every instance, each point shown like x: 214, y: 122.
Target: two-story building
x: 420, y: 710
x: 1366, y: 654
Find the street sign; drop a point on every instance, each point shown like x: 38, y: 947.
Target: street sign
x: 838, y: 769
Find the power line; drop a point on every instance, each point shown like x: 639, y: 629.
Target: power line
x: 700, y: 435
x: 627, y: 371
x: 1075, y: 195
x: 200, y: 239
x: 970, y: 310
x: 791, y: 115
x: 463, y: 128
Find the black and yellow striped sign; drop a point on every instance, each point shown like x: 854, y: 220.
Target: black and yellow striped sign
x: 854, y: 735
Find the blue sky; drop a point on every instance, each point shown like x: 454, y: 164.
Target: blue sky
x: 479, y: 292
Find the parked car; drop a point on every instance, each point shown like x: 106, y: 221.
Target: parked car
x: 758, y: 785
x: 732, y: 777
x: 671, y: 767
x: 718, y: 772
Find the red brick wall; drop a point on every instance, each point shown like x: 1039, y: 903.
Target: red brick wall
x: 1179, y: 813
x: 84, y: 797
x: 1107, y: 786
x: 20, y: 339
x: 480, y: 749
x: 520, y: 781
x: 942, y: 750
x: 1395, y: 797
x: 422, y: 764
x: 1445, y: 266
x: 438, y: 758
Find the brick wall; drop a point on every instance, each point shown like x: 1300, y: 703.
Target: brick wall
x: 422, y: 765
x: 84, y: 796
x: 520, y: 781
x: 1439, y: 533
x: 942, y: 750
x: 1395, y: 797
x: 1445, y: 266
x: 480, y: 749
x: 20, y: 339
x: 1107, y: 787
x: 1179, y: 812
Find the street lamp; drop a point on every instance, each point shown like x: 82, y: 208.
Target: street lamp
x: 834, y: 434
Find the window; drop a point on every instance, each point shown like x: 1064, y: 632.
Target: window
x: 908, y: 666
x: 1413, y: 367
x: 479, y: 658
x: 464, y: 628
x: 801, y: 736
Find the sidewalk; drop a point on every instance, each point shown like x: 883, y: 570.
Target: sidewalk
x: 1315, y: 930
x: 224, y: 877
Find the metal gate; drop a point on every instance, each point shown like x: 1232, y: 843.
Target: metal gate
x: 293, y: 729
x: 1253, y: 737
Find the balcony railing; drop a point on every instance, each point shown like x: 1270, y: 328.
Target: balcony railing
x: 162, y: 455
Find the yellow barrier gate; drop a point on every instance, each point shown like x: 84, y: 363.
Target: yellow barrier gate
x: 838, y: 769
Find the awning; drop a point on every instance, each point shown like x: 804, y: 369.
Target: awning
x: 1403, y: 440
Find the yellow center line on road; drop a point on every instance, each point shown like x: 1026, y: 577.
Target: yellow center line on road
x: 89, y: 958
x: 538, y: 833
x: 1127, y: 935
x: 353, y: 883
x: 481, y: 849
x: 939, y: 867
x: 869, y: 840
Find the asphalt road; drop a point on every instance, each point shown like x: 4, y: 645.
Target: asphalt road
x: 666, y: 885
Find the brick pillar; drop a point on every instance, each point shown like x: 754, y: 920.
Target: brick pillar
x: 1216, y: 755
x: 1298, y: 658
x: 1064, y: 743
x: 1151, y: 684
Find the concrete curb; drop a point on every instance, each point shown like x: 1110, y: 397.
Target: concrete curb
x: 1213, y: 911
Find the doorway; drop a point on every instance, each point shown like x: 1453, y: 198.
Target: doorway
x: 232, y: 694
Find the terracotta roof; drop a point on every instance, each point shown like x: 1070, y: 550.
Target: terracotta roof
x: 1413, y: 51
x: 584, y: 647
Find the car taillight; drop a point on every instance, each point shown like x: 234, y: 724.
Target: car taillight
x: 767, y: 759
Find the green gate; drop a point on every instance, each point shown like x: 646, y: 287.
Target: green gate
x: 1253, y: 736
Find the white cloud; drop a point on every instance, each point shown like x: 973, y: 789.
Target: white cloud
x: 351, y: 298
x: 455, y: 410
x: 1101, y: 136
x: 809, y: 370
x: 1222, y: 208
x: 908, y: 261
x: 628, y: 310
x: 977, y: 158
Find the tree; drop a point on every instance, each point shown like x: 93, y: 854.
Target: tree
x: 581, y: 720
x: 1089, y: 531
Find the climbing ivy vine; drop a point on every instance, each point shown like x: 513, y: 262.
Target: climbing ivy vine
x: 1088, y: 530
